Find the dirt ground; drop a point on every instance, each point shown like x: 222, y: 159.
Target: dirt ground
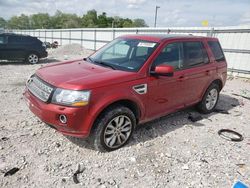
x: 169, y: 152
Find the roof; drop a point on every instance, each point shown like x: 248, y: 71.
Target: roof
x: 159, y: 37
x: 13, y: 34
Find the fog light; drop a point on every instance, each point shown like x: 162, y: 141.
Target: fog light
x: 63, y: 119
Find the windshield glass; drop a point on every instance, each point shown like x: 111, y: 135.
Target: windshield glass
x: 124, y: 54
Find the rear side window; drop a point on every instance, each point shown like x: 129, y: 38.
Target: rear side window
x: 217, y: 51
x: 15, y: 39
x: 21, y: 40
x: 30, y: 40
x: 195, y: 54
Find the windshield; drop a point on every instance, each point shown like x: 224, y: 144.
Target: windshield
x: 124, y: 54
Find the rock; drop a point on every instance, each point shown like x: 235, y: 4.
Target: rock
x: 63, y: 180
x: 33, y: 134
x: 4, y: 138
x: 148, y: 144
x: 141, y: 174
x: 169, y: 155
x: 185, y: 167
x: 58, y: 144
x: 97, y: 166
x: 112, y: 182
x: 156, y: 165
x: 133, y: 159
x: 162, y: 155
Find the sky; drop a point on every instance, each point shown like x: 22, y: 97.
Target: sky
x: 172, y: 13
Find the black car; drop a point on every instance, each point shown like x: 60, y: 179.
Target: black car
x: 21, y: 48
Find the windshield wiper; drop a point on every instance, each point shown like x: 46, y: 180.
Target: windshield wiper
x: 105, y: 64
x: 99, y: 62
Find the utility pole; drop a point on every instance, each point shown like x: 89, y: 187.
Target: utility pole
x: 156, y: 10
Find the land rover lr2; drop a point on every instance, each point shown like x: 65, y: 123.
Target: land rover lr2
x: 129, y: 81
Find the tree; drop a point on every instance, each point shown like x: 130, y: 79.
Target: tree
x: 56, y: 20
x: 139, y: 23
x: 90, y: 19
x: 110, y: 21
x: 2, y: 23
x: 19, y: 22
x: 62, y: 20
x: 102, y: 20
x: 71, y: 21
x: 127, y: 23
x: 118, y: 22
x: 40, y: 21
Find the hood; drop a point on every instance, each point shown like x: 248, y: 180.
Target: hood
x: 81, y: 75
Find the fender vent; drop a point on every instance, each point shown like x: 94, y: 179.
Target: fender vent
x: 141, y: 89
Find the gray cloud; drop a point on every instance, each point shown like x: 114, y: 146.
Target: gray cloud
x: 245, y: 18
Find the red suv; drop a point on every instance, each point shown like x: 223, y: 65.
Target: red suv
x: 131, y: 80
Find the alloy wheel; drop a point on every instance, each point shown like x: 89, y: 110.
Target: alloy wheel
x: 33, y: 58
x: 211, y: 99
x: 117, y: 131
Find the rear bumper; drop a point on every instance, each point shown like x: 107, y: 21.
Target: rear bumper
x: 43, y: 54
x: 49, y: 114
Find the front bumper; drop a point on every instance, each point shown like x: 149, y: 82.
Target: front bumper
x: 76, y: 125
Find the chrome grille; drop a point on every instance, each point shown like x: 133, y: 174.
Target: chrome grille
x: 39, y: 88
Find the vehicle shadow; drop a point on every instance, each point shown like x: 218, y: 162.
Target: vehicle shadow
x: 41, y: 61
x: 169, y: 123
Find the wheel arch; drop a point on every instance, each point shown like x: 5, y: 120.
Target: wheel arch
x: 132, y: 105
x: 32, y: 52
x: 218, y: 82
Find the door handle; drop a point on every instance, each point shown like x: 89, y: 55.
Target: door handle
x: 208, y: 72
x: 181, y: 78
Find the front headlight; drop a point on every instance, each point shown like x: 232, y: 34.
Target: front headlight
x: 71, y: 97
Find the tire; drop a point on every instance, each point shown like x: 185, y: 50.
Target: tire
x: 113, y: 129
x: 210, y: 99
x: 32, y: 58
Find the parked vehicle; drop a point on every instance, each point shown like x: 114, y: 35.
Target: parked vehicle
x: 16, y: 47
x: 54, y: 44
x: 130, y: 81
x: 47, y: 44
x: 51, y: 45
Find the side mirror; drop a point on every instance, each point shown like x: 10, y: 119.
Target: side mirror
x: 163, y: 70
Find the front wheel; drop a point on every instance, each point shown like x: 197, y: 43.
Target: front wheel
x: 32, y: 58
x: 210, y: 99
x: 113, y: 129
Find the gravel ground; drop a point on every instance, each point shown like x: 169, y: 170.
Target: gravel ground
x: 169, y: 152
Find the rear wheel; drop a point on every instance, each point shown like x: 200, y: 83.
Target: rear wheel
x: 210, y: 99
x: 32, y: 58
x: 113, y: 129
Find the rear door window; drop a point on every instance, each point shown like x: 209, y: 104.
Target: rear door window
x: 195, y: 54
x: 2, y: 39
x: 15, y: 39
x: 217, y: 51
